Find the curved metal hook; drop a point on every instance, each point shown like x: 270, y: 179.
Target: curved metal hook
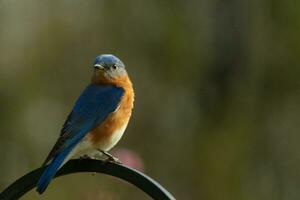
x: 140, y: 180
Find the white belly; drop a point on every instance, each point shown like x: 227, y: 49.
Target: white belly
x: 85, y: 147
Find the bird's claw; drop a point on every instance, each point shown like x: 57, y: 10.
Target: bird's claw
x: 110, y: 158
x: 84, y: 157
x: 113, y: 159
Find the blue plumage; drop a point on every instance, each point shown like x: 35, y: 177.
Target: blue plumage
x: 108, y: 60
x: 92, y: 107
x: 52, y: 169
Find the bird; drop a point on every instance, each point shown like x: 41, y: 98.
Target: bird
x: 97, y: 121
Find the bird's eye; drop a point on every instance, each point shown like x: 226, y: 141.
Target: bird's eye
x: 114, y: 66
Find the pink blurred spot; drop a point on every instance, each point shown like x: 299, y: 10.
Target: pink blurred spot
x: 129, y: 158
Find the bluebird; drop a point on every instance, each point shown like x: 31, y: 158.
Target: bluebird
x: 98, y: 118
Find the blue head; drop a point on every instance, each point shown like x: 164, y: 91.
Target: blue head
x: 107, y: 61
x: 108, y: 66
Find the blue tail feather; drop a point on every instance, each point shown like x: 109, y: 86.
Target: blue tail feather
x: 51, y: 170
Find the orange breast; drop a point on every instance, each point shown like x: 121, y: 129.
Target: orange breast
x: 117, y: 119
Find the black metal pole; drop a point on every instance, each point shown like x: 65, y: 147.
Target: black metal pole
x: 140, y: 180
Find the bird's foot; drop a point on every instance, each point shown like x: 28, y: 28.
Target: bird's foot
x: 85, y: 157
x: 110, y: 158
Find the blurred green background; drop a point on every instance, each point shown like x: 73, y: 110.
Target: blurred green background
x: 217, y: 87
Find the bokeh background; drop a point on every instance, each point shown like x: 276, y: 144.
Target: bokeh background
x: 217, y: 86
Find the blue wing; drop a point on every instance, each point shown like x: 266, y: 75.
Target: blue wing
x: 92, y: 107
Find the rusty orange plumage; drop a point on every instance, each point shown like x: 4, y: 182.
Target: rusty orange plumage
x: 106, y: 134
x: 117, y: 119
x: 98, y: 119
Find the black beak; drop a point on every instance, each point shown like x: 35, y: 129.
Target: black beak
x: 98, y: 66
